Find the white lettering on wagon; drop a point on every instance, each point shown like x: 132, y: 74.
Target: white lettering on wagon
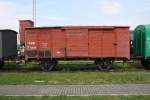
x: 31, y: 45
x: 44, y: 45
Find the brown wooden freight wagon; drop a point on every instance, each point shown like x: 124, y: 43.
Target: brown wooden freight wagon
x: 104, y: 44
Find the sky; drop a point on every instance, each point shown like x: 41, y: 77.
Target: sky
x: 76, y: 12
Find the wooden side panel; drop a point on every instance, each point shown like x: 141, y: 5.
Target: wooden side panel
x: 58, y: 40
x: 95, y: 43
x: 108, y: 43
x: 123, y: 42
x: 77, y: 42
x: 44, y: 40
x: 38, y: 43
x: 102, y: 43
x: 31, y: 44
x: 44, y: 43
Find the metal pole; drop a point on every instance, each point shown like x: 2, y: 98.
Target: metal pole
x: 34, y: 12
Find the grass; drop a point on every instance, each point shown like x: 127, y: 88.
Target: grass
x: 79, y: 98
x: 74, y: 78
x: 71, y: 73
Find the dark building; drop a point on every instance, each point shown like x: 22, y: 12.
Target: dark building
x: 8, y: 44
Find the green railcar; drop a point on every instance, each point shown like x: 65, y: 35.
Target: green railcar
x: 142, y: 44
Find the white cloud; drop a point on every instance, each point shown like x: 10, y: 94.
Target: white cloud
x: 7, y: 10
x: 10, y: 13
x: 7, y: 7
x: 132, y: 21
x: 111, y: 7
x: 55, y: 18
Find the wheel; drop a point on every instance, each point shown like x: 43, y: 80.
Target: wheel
x: 48, y: 65
x: 145, y: 63
x: 55, y: 62
x: 96, y: 62
x: 1, y: 64
x: 104, y: 65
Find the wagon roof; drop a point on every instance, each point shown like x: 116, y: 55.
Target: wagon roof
x: 80, y: 27
x: 4, y: 30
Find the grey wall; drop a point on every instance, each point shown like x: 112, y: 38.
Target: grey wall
x: 0, y: 45
x: 9, y: 43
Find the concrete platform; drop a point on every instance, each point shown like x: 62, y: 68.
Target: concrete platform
x: 74, y: 90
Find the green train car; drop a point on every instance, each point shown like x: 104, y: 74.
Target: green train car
x: 142, y: 44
